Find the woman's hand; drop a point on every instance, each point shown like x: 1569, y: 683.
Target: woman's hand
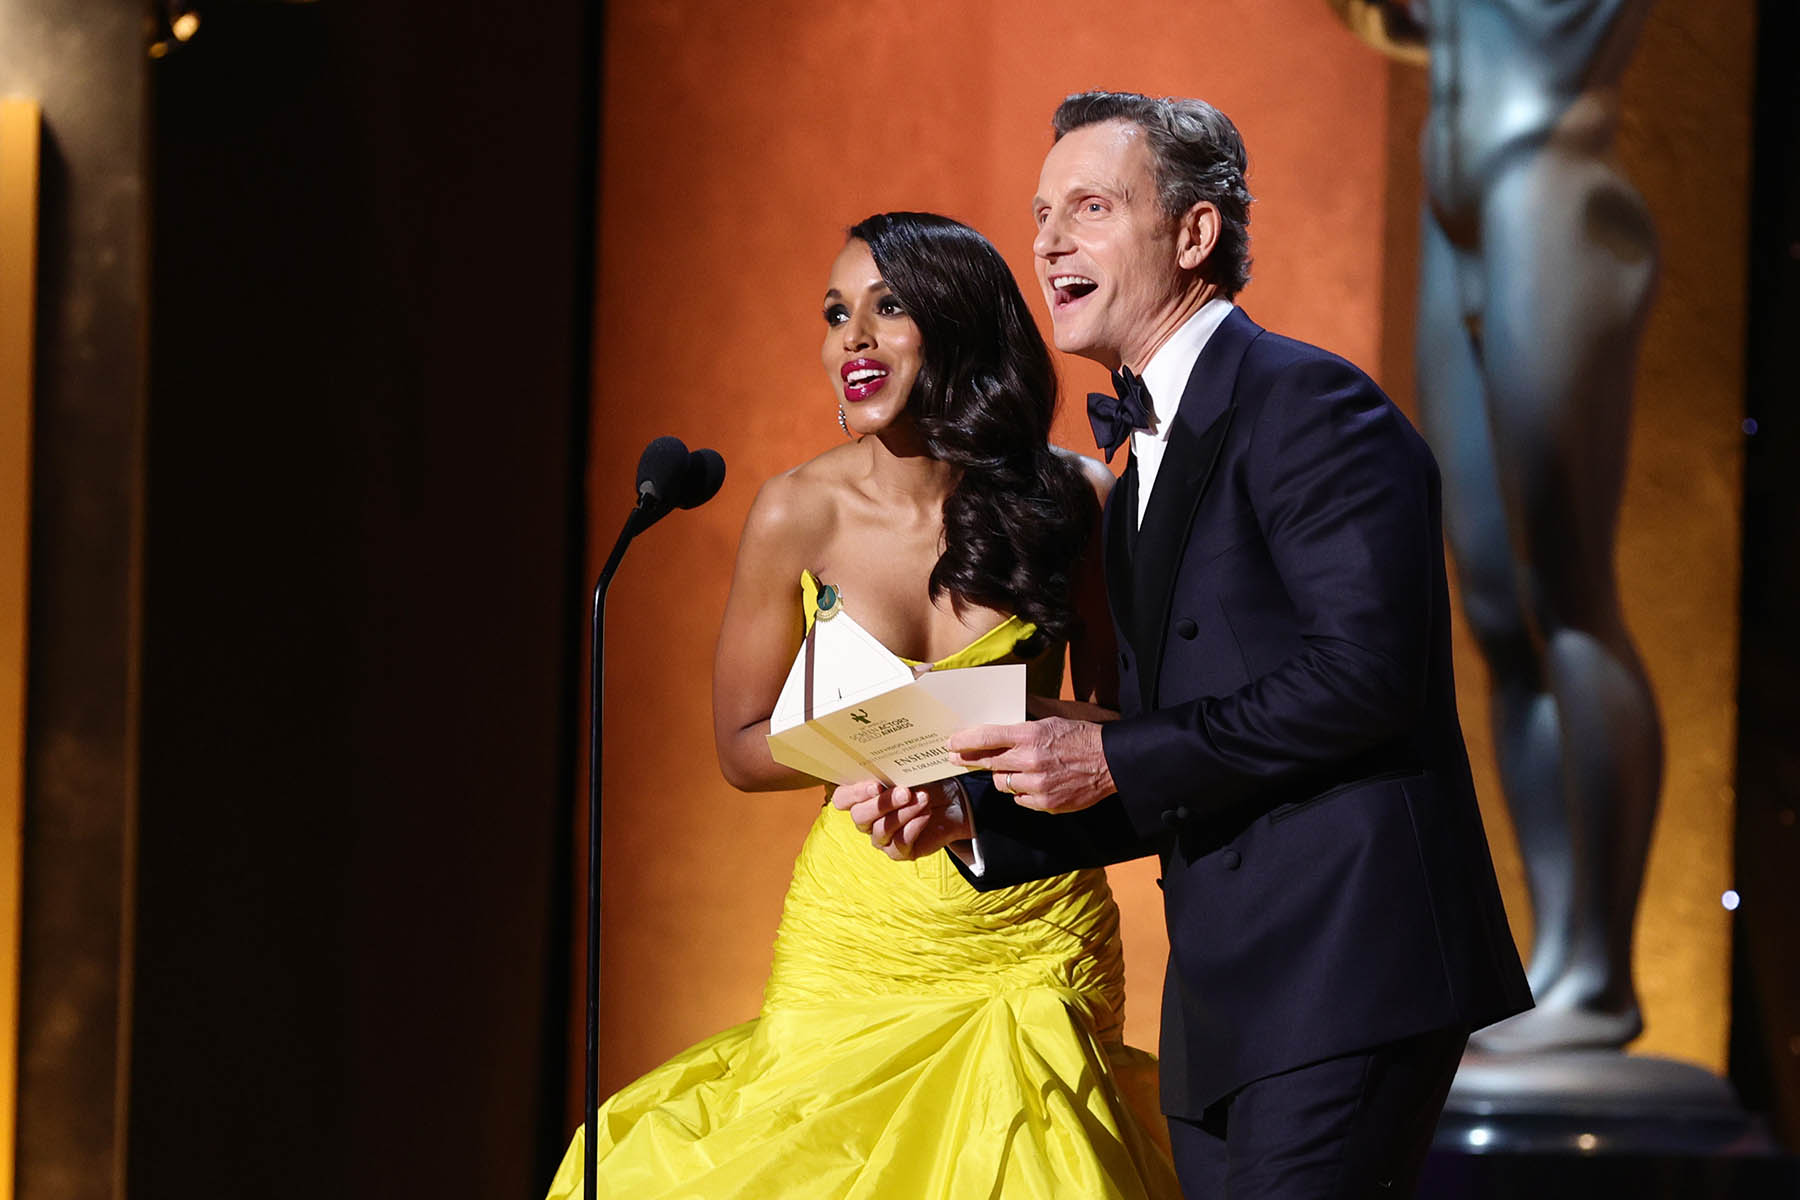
x: 861, y: 800
x: 907, y: 822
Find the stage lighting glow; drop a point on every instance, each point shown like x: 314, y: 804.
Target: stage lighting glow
x: 185, y: 26
x: 1587, y: 1141
x: 1481, y: 1135
x: 1730, y: 900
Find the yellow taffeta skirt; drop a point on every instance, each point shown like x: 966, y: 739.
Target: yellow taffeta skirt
x: 918, y: 1039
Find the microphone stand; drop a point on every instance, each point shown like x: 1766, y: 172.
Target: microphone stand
x: 639, y: 520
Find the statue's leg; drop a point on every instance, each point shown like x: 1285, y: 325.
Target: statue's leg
x: 1570, y: 262
x: 1490, y: 585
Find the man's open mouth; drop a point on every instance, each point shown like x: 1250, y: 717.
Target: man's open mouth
x: 1069, y: 288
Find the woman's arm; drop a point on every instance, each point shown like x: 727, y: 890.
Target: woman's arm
x: 1093, y: 653
x: 762, y: 630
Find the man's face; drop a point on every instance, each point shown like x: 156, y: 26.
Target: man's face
x: 1106, y: 254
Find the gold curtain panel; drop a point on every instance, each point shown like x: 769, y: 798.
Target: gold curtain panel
x: 19, y: 124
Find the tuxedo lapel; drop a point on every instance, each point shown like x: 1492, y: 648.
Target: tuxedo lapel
x: 1201, y: 424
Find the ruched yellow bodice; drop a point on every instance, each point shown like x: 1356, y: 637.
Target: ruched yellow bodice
x: 918, y: 1039
x: 857, y: 926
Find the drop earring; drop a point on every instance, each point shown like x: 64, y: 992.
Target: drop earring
x: 843, y: 424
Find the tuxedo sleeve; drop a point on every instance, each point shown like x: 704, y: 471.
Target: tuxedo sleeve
x: 1020, y: 844
x: 1345, y: 494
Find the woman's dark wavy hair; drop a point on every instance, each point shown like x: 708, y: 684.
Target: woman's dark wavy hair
x: 1018, y: 519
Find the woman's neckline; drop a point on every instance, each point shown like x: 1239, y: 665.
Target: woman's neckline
x: 811, y: 585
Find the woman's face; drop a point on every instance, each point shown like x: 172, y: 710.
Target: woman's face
x: 872, y: 351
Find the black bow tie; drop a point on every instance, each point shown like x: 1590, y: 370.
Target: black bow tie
x: 1114, y: 417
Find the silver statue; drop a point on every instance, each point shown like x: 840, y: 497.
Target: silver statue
x: 1539, y: 261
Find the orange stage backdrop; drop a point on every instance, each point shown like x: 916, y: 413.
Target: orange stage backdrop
x: 739, y: 141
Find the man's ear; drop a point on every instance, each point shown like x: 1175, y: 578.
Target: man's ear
x: 1196, y: 233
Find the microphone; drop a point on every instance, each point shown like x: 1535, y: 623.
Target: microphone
x: 701, y: 479
x: 669, y: 476
x: 659, y: 472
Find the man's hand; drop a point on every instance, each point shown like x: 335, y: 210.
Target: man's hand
x: 903, y: 822
x: 1054, y: 765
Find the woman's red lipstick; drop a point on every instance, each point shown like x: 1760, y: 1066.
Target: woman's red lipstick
x: 863, y: 377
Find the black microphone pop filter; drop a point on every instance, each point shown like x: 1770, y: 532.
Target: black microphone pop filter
x: 660, y: 473
x: 700, y: 481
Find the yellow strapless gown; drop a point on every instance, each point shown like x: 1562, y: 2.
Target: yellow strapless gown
x: 918, y: 1040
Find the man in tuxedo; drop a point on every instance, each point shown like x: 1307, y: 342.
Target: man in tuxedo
x: 1288, y: 741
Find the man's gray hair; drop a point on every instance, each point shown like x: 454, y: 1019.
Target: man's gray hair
x: 1196, y: 154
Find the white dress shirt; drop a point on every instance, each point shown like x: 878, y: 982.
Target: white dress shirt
x: 1166, y: 376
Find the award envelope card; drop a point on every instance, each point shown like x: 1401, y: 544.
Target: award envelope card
x: 873, y: 718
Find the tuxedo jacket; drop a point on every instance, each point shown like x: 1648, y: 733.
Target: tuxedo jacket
x: 1289, y: 742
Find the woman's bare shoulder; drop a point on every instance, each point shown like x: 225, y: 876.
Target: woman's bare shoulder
x: 1099, y: 476
x: 799, y: 507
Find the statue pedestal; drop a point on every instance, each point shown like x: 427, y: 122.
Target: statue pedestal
x: 1580, y: 1124
x: 1594, y: 1102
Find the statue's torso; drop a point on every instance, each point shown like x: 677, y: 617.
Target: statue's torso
x: 1507, y: 76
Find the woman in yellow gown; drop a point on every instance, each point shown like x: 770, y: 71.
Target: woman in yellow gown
x: 917, y: 1039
